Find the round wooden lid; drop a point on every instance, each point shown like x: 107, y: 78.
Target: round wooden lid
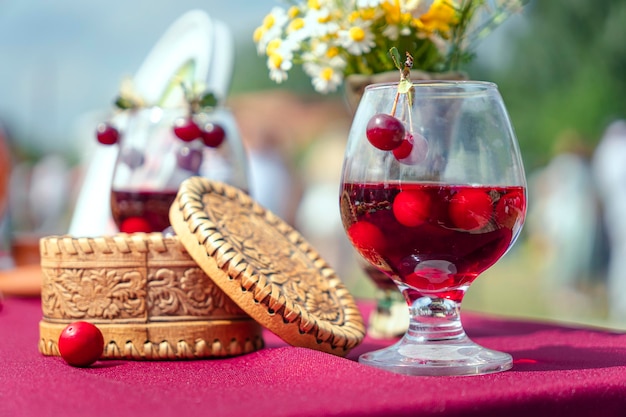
x: 266, y: 267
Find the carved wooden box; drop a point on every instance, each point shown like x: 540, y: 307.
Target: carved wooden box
x: 148, y: 297
x: 232, y: 268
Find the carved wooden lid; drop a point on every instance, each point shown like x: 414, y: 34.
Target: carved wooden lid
x: 266, y: 267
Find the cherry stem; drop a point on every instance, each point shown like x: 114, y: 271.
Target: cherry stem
x: 409, y: 105
x: 395, y: 103
x: 405, y: 76
x: 193, y: 101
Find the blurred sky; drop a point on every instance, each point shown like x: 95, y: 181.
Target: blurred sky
x: 62, y: 58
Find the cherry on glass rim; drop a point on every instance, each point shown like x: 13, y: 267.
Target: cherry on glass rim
x: 404, y: 150
x: 412, y: 150
x: 186, y: 129
x: 107, y: 134
x: 213, y: 135
x: 81, y: 343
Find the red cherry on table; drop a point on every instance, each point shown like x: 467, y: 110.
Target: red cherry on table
x: 510, y: 209
x: 186, y: 129
x: 410, y: 208
x: 385, y: 132
x: 470, y: 209
x: 213, y: 135
x: 107, y: 134
x: 81, y: 344
x: 135, y: 225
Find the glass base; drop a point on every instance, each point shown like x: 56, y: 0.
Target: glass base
x: 438, y: 358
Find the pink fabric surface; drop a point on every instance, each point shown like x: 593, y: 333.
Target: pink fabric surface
x: 558, y: 371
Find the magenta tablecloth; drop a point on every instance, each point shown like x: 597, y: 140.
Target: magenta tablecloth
x: 558, y: 371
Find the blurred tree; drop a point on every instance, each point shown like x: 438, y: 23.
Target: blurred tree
x: 567, y: 72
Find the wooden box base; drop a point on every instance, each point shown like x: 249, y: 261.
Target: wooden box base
x: 166, y: 341
x: 144, y: 292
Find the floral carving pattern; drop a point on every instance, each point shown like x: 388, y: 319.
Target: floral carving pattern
x: 114, y: 293
x: 190, y: 291
x: 107, y: 280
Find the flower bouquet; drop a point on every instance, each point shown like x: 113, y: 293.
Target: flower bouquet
x: 335, y: 39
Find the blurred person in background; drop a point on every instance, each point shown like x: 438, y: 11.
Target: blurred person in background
x: 564, y: 221
x: 609, y: 170
x: 5, y: 173
x: 34, y: 196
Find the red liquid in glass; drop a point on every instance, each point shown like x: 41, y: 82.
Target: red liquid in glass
x: 146, y: 211
x: 437, y: 238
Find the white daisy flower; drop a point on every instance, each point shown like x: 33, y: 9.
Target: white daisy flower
x: 325, y: 67
x: 394, y: 31
x: 272, y: 27
x: 320, y: 23
x: 279, y: 59
x: 325, y: 78
x: 357, y: 39
x: 298, y: 30
x: 319, y: 4
x: 391, y: 32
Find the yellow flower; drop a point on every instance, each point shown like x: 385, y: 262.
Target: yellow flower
x: 394, y: 14
x: 363, y: 14
x: 441, y: 15
x: 368, y: 14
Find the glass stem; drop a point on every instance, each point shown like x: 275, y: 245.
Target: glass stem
x: 433, y: 319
